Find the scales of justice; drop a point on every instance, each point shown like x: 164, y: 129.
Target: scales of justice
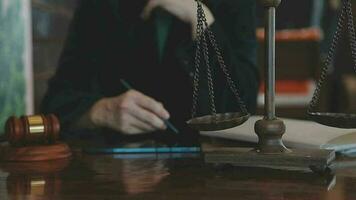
x: 270, y: 152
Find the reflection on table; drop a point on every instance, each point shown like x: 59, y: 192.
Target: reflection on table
x: 167, y: 176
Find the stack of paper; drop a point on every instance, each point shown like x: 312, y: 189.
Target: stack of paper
x: 299, y: 134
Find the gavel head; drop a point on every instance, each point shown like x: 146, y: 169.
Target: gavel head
x: 32, y: 130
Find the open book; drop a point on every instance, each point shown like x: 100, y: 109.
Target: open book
x: 299, y: 134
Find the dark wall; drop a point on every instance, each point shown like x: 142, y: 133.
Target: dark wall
x: 291, y: 14
x: 50, y: 20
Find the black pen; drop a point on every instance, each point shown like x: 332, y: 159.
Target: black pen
x: 166, y: 122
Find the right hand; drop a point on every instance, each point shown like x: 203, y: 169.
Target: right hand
x: 129, y: 113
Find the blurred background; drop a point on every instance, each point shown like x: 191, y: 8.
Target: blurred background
x: 32, y: 33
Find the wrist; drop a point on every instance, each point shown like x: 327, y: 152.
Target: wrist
x: 90, y: 119
x: 97, y: 113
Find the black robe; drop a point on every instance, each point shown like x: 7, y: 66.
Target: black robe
x: 108, y: 40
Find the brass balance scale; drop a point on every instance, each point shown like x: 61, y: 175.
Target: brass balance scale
x: 271, y: 151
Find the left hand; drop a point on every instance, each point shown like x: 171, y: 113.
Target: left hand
x: 185, y: 10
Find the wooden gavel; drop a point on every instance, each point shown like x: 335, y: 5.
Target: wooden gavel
x: 32, y: 130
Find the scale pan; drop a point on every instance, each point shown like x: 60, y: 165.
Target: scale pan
x: 218, y: 122
x: 338, y: 120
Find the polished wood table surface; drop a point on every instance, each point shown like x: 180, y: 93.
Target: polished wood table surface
x: 167, y: 176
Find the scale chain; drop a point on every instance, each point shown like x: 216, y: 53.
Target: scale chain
x: 225, y: 71
x: 352, y: 34
x: 201, y: 35
x: 202, y: 43
x: 197, y: 65
x: 329, y: 58
x: 209, y: 75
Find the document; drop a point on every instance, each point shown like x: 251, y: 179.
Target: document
x: 299, y: 134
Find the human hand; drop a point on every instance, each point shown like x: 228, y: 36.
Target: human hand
x: 129, y: 113
x: 142, y: 176
x: 185, y: 10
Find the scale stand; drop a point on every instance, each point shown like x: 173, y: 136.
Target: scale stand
x: 271, y: 152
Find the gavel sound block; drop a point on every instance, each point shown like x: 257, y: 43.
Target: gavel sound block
x: 33, y: 138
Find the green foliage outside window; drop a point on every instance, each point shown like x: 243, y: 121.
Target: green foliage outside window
x: 12, y: 50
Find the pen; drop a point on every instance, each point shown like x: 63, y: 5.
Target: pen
x: 166, y: 122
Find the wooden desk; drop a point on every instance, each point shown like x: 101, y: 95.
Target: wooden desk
x: 165, y: 176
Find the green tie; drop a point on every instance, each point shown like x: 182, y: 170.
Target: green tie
x: 163, y: 23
